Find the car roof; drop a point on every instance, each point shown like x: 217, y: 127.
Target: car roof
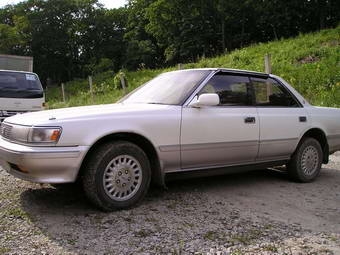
x: 231, y: 71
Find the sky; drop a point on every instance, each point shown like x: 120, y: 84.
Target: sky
x: 113, y: 3
x: 107, y: 3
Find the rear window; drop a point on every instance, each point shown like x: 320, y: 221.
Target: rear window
x: 20, y: 85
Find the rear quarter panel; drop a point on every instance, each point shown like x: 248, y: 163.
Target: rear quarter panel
x: 328, y: 120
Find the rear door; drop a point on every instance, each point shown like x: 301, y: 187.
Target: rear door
x: 282, y: 119
x: 221, y: 135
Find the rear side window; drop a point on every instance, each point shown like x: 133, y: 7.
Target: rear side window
x: 269, y: 93
x: 233, y: 90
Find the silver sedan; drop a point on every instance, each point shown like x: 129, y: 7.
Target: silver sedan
x: 181, y: 123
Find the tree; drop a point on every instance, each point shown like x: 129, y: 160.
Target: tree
x: 71, y: 39
x: 185, y: 29
x: 14, y: 36
x: 101, y: 35
x: 142, y: 48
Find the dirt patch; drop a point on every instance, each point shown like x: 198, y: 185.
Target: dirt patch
x: 332, y: 43
x: 308, y: 59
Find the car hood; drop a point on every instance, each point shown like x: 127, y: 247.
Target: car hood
x: 50, y: 117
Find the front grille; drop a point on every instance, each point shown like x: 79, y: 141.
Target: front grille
x: 6, y: 131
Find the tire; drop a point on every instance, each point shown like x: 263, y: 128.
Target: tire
x: 117, y: 176
x: 305, y: 164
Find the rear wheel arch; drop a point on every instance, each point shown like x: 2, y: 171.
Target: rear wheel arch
x: 320, y: 136
x: 139, y: 140
x: 305, y: 164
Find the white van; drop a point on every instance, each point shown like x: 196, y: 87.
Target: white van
x: 20, y: 92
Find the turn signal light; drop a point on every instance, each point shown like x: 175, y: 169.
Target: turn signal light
x: 55, y: 135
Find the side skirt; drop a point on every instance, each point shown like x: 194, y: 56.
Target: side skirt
x: 195, y: 173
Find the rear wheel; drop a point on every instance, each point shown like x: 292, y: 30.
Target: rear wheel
x: 305, y: 164
x: 117, y: 176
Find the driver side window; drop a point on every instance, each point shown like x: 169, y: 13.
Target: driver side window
x: 232, y: 90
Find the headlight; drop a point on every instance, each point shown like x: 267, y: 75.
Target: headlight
x: 44, y: 134
x: 30, y: 135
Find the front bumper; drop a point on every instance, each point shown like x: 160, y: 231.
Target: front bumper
x: 42, y: 164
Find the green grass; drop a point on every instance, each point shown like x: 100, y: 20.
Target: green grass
x: 310, y: 63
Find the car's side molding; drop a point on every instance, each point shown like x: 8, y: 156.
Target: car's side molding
x: 209, y: 146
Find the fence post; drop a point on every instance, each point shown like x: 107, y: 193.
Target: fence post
x: 91, y: 88
x: 267, y: 64
x: 63, y: 92
x: 122, y: 82
x: 180, y: 66
x: 268, y: 70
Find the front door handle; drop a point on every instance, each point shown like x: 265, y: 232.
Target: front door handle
x: 250, y: 120
x: 303, y: 119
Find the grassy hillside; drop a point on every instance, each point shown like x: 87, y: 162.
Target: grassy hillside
x: 311, y: 63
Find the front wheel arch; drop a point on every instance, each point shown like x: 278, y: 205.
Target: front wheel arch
x: 139, y: 140
x: 117, y: 176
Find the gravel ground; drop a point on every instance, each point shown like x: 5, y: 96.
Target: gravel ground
x: 251, y: 213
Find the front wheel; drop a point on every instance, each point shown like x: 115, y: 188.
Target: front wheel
x: 305, y: 163
x: 117, y: 176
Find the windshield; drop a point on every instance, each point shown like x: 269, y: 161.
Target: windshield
x: 20, y: 85
x: 169, y: 88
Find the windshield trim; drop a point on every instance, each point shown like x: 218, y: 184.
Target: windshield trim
x: 194, y: 88
x: 199, y: 87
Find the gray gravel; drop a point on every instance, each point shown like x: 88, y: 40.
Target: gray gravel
x: 260, y: 212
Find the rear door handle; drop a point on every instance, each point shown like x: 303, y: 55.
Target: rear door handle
x: 250, y: 120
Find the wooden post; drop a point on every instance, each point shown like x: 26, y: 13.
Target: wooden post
x: 268, y: 69
x: 91, y: 88
x: 122, y: 82
x: 63, y: 92
x: 267, y: 64
x: 180, y: 66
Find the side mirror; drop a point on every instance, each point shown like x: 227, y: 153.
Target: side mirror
x: 208, y: 99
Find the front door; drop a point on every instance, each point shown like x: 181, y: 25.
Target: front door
x: 221, y: 135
